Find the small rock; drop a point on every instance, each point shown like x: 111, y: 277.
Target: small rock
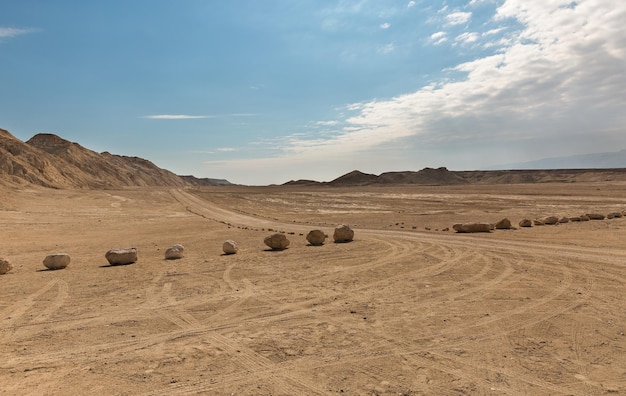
x: 316, y: 237
x: 343, y: 233
x: 564, y: 220
x: 584, y: 218
x: 5, y: 266
x: 525, y: 223
x: 121, y: 256
x: 614, y: 215
x: 575, y: 219
x: 57, y: 261
x: 596, y: 216
x: 504, y: 224
x: 175, y: 252
x: 472, y: 227
x: 550, y: 220
x: 230, y: 247
x: 277, y: 241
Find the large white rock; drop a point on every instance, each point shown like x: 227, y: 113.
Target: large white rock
x: 343, y: 233
x: 57, y: 261
x: 230, y: 247
x: 5, y: 266
x: 316, y: 237
x: 472, y: 227
x: 175, y: 252
x: 276, y: 241
x: 121, y: 256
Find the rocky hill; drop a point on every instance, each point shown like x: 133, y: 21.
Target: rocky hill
x: 51, y: 161
x: 443, y: 176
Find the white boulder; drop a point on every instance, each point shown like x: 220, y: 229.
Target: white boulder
x: 121, y: 256
x: 57, y: 261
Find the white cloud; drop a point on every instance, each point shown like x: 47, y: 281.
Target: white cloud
x: 557, y: 85
x: 176, y: 117
x: 8, y: 32
x: 467, y: 38
x: 385, y: 25
x: 387, y: 48
x: 411, y: 4
x: 327, y: 123
x: 438, y: 38
x: 458, y: 18
x: 226, y: 149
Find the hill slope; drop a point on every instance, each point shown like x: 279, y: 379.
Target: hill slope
x: 51, y: 161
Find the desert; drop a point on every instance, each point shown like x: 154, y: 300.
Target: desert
x: 408, y: 307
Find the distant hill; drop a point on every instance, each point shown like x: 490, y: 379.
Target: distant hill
x: 443, y: 176
x: 205, y: 181
x: 51, y: 161
x: 610, y: 160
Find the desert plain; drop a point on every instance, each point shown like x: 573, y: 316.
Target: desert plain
x: 407, y: 308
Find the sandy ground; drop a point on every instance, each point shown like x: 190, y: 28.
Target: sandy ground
x: 405, y: 309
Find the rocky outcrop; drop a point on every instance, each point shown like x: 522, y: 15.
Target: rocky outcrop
x: 230, y: 247
x: 276, y: 241
x: 343, y: 234
x: 316, y: 237
x: 56, y: 261
x: 121, y: 256
x: 5, y: 266
x: 472, y: 227
x: 175, y: 252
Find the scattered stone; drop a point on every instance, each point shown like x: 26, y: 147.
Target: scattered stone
x: 445, y: 229
x: 316, y: 237
x: 175, y: 252
x: 121, y: 256
x: 472, y: 227
x: 343, y: 233
x: 277, y: 241
x: 596, y: 216
x: 230, y: 247
x: 575, y: 219
x: 564, y: 220
x: 504, y: 224
x: 538, y: 222
x: 5, y: 266
x: 584, y: 218
x: 614, y: 215
x: 550, y: 220
x: 57, y: 261
x: 525, y: 223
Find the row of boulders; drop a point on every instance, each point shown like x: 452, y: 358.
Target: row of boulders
x: 505, y: 224
x: 125, y: 256
x: 342, y: 234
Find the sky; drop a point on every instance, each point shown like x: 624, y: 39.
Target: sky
x: 266, y: 91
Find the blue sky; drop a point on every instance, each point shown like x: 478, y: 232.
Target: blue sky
x: 266, y: 91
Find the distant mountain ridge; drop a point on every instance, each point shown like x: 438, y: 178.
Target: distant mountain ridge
x: 609, y: 160
x: 51, y: 161
x: 443, y: 176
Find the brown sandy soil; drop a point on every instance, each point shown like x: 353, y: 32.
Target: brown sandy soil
x: 405, y: 309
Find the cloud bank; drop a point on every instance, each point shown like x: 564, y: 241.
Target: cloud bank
x: 557, y: 82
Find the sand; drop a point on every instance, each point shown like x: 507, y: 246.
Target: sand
x: 404, y: 309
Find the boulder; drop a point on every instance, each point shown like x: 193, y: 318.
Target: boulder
x: 343, y: 233
x: 614, y: 215
x: 575, y: 218
x: 230, y: 247
x: 175, y: 252
x: 538, y: 222
x: 121, y: 256
x: 595, y: 216
x: 56, y: 261
x: 316, y: 237
x: 525, y: 223
x: 550, y: 220
x: 276, y: 241
x: 472, y: 227
x: 584, y: 218
x: 564, y: 220
x: 504, y: 224
x: 5, y: 266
